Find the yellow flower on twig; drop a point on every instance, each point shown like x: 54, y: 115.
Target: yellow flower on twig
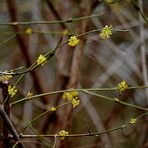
x: 28, y: 31
x: 122, y: 86
x: 12, y: 90
x: 41, y: 60
x: 133, y: 121
x: 73, y: 41
x: 106, y: 32
x: 5, y: 77
x: 62, y: 134
x: 75, y: 102
x: 53, y: 109
x: 72, y: 96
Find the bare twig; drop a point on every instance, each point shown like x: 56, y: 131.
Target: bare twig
x: 10, y: 126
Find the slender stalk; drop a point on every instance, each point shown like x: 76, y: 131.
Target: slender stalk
x: 68, y: 90
x: 75, y: 135
x: 22, y: 136
x: 8, y: 39
x: 44, y: 113
x: 70, y: 20
x: 116, y: 100
x: 134, y: 3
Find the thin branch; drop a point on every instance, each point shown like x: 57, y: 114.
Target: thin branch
x: 10, y: 126
x: 69, y: 90
x: 116, y: 100
x: 8, y: 39
x: 44, y: 113
x: 87, y: 134
x: 139, y: 10
x: 55, y: 12
x: 87, y: 126
x: 70, y: 20
x: 75, y: 135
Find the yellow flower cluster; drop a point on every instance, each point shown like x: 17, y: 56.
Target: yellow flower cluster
x: 72, y: 96
x: 53, y: 109
x: 122, y: 86
x: 41, y: 60
x: 75, y: 102
x: 5, y: 77
x: 73, y: 41
x: 62, y: 134
x: 28, y: 31
x: 12, y: 90
x: 133, y: 121
x: 106, y: 32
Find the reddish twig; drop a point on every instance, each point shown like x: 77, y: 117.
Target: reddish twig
x: 5, y: 114
x: 6, y: 99
x: 56, y: 14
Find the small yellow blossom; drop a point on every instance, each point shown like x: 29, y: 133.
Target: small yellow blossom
x: 75, y: 102
x: 72, y: 96
x: 73, y: 41
x: 41, y: 60
x: 122, y: 86
x: 106, y: 32
x: 29, y: 95
x: 133, y: 120
x: 53, y: 109
x: 65, y: 32
x: 12, y: 90
x: 5, y: 77
x: 62, y: 134
x: 28, y: 31
x: 68, y: 96
x: 74, y: 93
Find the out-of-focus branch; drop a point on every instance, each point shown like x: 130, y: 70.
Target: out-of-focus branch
x: 134, y: 3
x: 6, y: 111
x: 70, y: 20
x: 56, y: 14
x: 143, y: 51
